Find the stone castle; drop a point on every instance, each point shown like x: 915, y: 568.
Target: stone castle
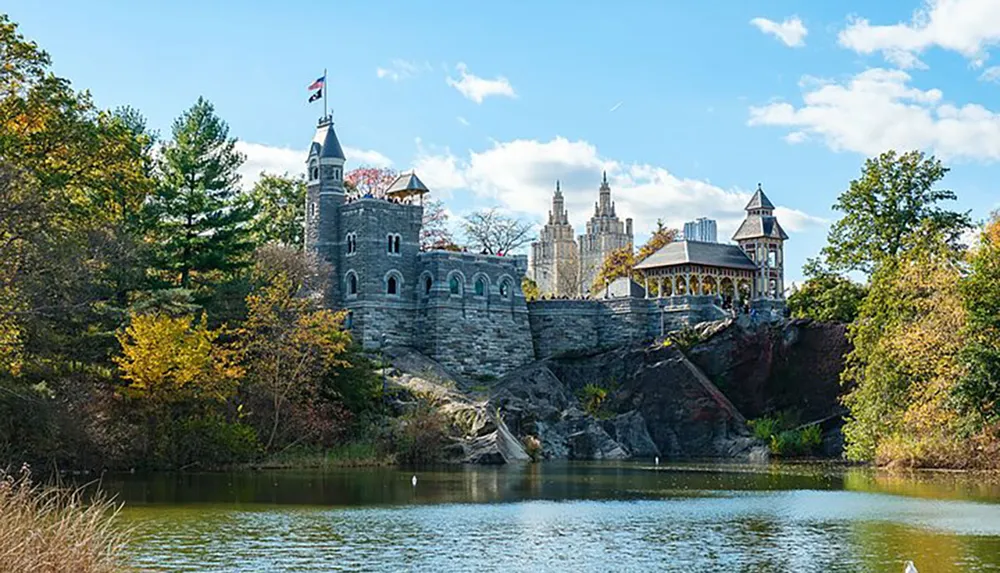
x: 467, y: 311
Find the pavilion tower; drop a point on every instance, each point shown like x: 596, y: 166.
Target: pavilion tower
x: 762, y: 239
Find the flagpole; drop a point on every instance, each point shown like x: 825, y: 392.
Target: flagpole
x: 325, y: 115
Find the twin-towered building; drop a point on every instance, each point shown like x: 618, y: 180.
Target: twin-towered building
x: 562, y: 264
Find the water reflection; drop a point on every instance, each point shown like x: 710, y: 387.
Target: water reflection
x: 562, y: 516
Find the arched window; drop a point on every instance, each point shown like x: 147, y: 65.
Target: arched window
x: 336, y: 174
x: 455, y: 285
x: 388, y: 244
x: 396, y: 244
x: 352, y: 284
x: 480, y: 286
x: 505, y: 289
x: 313, y: 171
x: 391, y: 287
x: 352, y: 243
x: 428, y: 282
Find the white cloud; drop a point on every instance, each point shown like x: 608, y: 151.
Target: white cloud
x: 401, y: 70
x: 477, y: 89
x: 520, y: 175
x: 877, y: 110
x: 969, y: 27
x: 280, y: 160
x: 991, y: 74
x: 792, y: 31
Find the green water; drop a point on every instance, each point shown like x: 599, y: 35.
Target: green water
x: 563, y: 517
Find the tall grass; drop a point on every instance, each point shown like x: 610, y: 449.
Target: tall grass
x: 53, y: 530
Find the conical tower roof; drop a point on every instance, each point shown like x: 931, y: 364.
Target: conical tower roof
x: 325, y: 143
x: 759, y: 200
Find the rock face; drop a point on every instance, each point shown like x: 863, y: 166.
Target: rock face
x: 793, y: 366
x: 659, y: 400
x: 477, y: 435
x: 658, y: 404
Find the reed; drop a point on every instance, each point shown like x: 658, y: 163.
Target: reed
x: 51, y: 529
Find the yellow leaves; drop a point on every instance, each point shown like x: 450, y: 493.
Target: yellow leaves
x: 171, y: 359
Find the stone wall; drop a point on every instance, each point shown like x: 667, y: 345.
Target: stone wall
x: 560, y: 327
x: 479, y: 332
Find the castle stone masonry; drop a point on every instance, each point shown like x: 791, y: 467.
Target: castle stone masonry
x: 467, y: 311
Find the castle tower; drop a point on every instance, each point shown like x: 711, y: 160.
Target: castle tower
x: 762, y: 239
x: 605, y: 233
x: 324, y: 198
x: 554, y: 263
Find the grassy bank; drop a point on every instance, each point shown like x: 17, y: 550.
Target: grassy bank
x: 51, y: 529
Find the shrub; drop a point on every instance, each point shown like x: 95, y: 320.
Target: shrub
x: 593, y: 397
x: 533, y: 447
x: 785, y: 440
x: 420, y: 435
x: 52, y: 529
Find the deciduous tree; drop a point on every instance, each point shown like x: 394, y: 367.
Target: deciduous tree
x: 278, y: 203
x: 494, y: 232
x: 369, y: 181
x: 978, y: 391
x: 621, y: 262
x: 826, y: 296
x: 895, y: 196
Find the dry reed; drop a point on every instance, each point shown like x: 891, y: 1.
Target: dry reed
x: 48, y: 529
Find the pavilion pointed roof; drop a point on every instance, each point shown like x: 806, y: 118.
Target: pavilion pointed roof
x: 406, y: 185
x: 759, y: 200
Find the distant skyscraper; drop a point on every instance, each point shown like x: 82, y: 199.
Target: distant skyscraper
x: 702, y: 230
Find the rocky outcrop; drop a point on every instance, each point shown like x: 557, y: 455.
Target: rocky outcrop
x: 476, y: 434
x: 660, y: 401
x: 791, y: 366
x: 658, y: 404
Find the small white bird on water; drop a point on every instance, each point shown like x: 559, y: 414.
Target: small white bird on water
x: 656, y: 460
x: 910, y: 568
x: 413, y: 480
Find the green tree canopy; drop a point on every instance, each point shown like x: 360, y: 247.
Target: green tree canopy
x: 894, y: 197
x: 826, y: 296
x: 203, y: 222
x: 278, y: 203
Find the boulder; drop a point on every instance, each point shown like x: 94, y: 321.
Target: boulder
x: 629, y: 430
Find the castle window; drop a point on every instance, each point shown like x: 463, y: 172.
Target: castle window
x: 336, y: 174
x: 312, y: 210
x: 480, y: 287
x: 454, y: 285
x: 349, y: 320
x: 392, y: 244
x: 352, y: 243
x: 427, y: 285
x: 505, y: 289
x: 352, y: 284
x: 313, y: 171
x: 391, y: 287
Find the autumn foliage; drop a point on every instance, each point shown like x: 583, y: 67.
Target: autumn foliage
x: 621, y: 262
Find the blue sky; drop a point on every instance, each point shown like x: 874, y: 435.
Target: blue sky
x: 491, y: 102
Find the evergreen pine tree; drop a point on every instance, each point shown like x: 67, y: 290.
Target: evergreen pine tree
x: 203, y: 223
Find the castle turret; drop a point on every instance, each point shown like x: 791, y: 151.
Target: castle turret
x: 324, y: 196
x: 762, y: 239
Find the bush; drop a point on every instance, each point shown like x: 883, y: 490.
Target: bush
x: 207, y: 441
x: 420, y: 435
x: 52, y: 529
x: 533, y: 447
x: 783, y: 439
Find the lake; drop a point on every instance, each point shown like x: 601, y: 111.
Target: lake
x: 556, y: 516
